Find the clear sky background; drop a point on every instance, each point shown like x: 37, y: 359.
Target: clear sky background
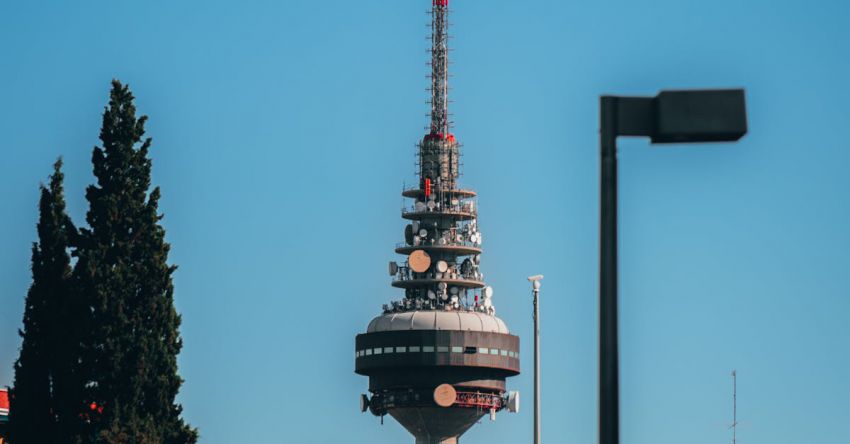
x: 283, y: 134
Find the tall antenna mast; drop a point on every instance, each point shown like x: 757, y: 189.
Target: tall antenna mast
x: 440, y: 67
x: 439, y: 151
x: 734, y: 425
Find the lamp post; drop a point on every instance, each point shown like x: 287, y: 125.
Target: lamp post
x: 535, y: 288
x: 670, y: 117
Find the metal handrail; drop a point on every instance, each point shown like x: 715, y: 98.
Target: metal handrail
x: 406, y: 274
x: 431, y: 243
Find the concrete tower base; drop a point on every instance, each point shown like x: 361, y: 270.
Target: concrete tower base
x: 436, y: 441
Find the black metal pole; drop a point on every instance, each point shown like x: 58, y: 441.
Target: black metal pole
x: 537, y: 433
x: 609, y: 408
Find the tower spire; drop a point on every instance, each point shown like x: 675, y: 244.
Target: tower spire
x: 438, y: 152
x: 439, y: 68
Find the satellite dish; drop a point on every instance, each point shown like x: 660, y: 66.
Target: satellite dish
x: 431, y: 205
x: 393, y: 268
x: 408, y: 234
x: 420, y: 206
x: 441, y: 241
x: 442, y: 266
x: 419, y: 261
x: 442, y: 286
x: 423, y: 232
x: 488, y: 292
x: 445, y: 395
x: 432, y: 295
x: 453, y: 290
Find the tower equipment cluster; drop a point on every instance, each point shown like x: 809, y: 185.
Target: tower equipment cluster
x: 437, y: 359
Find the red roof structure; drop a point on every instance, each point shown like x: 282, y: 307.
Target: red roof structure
x: 4, y: 403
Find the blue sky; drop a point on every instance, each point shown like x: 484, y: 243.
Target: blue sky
x: 284, y: 131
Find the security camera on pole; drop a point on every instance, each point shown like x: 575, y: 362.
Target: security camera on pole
x: 535, y: 288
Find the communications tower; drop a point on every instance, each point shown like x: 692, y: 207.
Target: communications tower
x: 437, y: 359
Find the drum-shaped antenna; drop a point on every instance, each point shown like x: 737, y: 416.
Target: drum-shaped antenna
x: 408, y: 234
x: 442, y: 286
x: 364, y: 403
x: 453, y: 290
x: 445, y: 395
x: 419, y: 261
x: 466, y: 266
x: 442, y: 266
x: 423, y: 232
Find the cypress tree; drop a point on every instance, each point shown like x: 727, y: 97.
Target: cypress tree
x: 41, y: 376
x: 131, y: 352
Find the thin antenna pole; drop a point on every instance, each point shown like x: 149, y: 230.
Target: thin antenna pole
x: 536, y: 367
x: 734, y: 406
x: 535, y: 286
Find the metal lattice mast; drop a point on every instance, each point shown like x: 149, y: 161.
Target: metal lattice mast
x: 440, y: 67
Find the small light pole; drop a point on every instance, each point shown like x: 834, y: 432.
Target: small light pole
x: 535, y: 288
x: 669, y: 117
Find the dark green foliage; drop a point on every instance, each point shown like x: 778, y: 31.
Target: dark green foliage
x: 98, y: 363
x: 130, y: 353
x: 45, y: 371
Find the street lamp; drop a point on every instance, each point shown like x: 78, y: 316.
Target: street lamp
x: 670, y: 117
x: 535, y: 288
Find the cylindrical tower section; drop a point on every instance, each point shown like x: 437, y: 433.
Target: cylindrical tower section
x: 439, y: 161
x: 437, y: 372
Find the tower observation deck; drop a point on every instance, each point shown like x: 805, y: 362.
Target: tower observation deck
x: 437, y: 359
